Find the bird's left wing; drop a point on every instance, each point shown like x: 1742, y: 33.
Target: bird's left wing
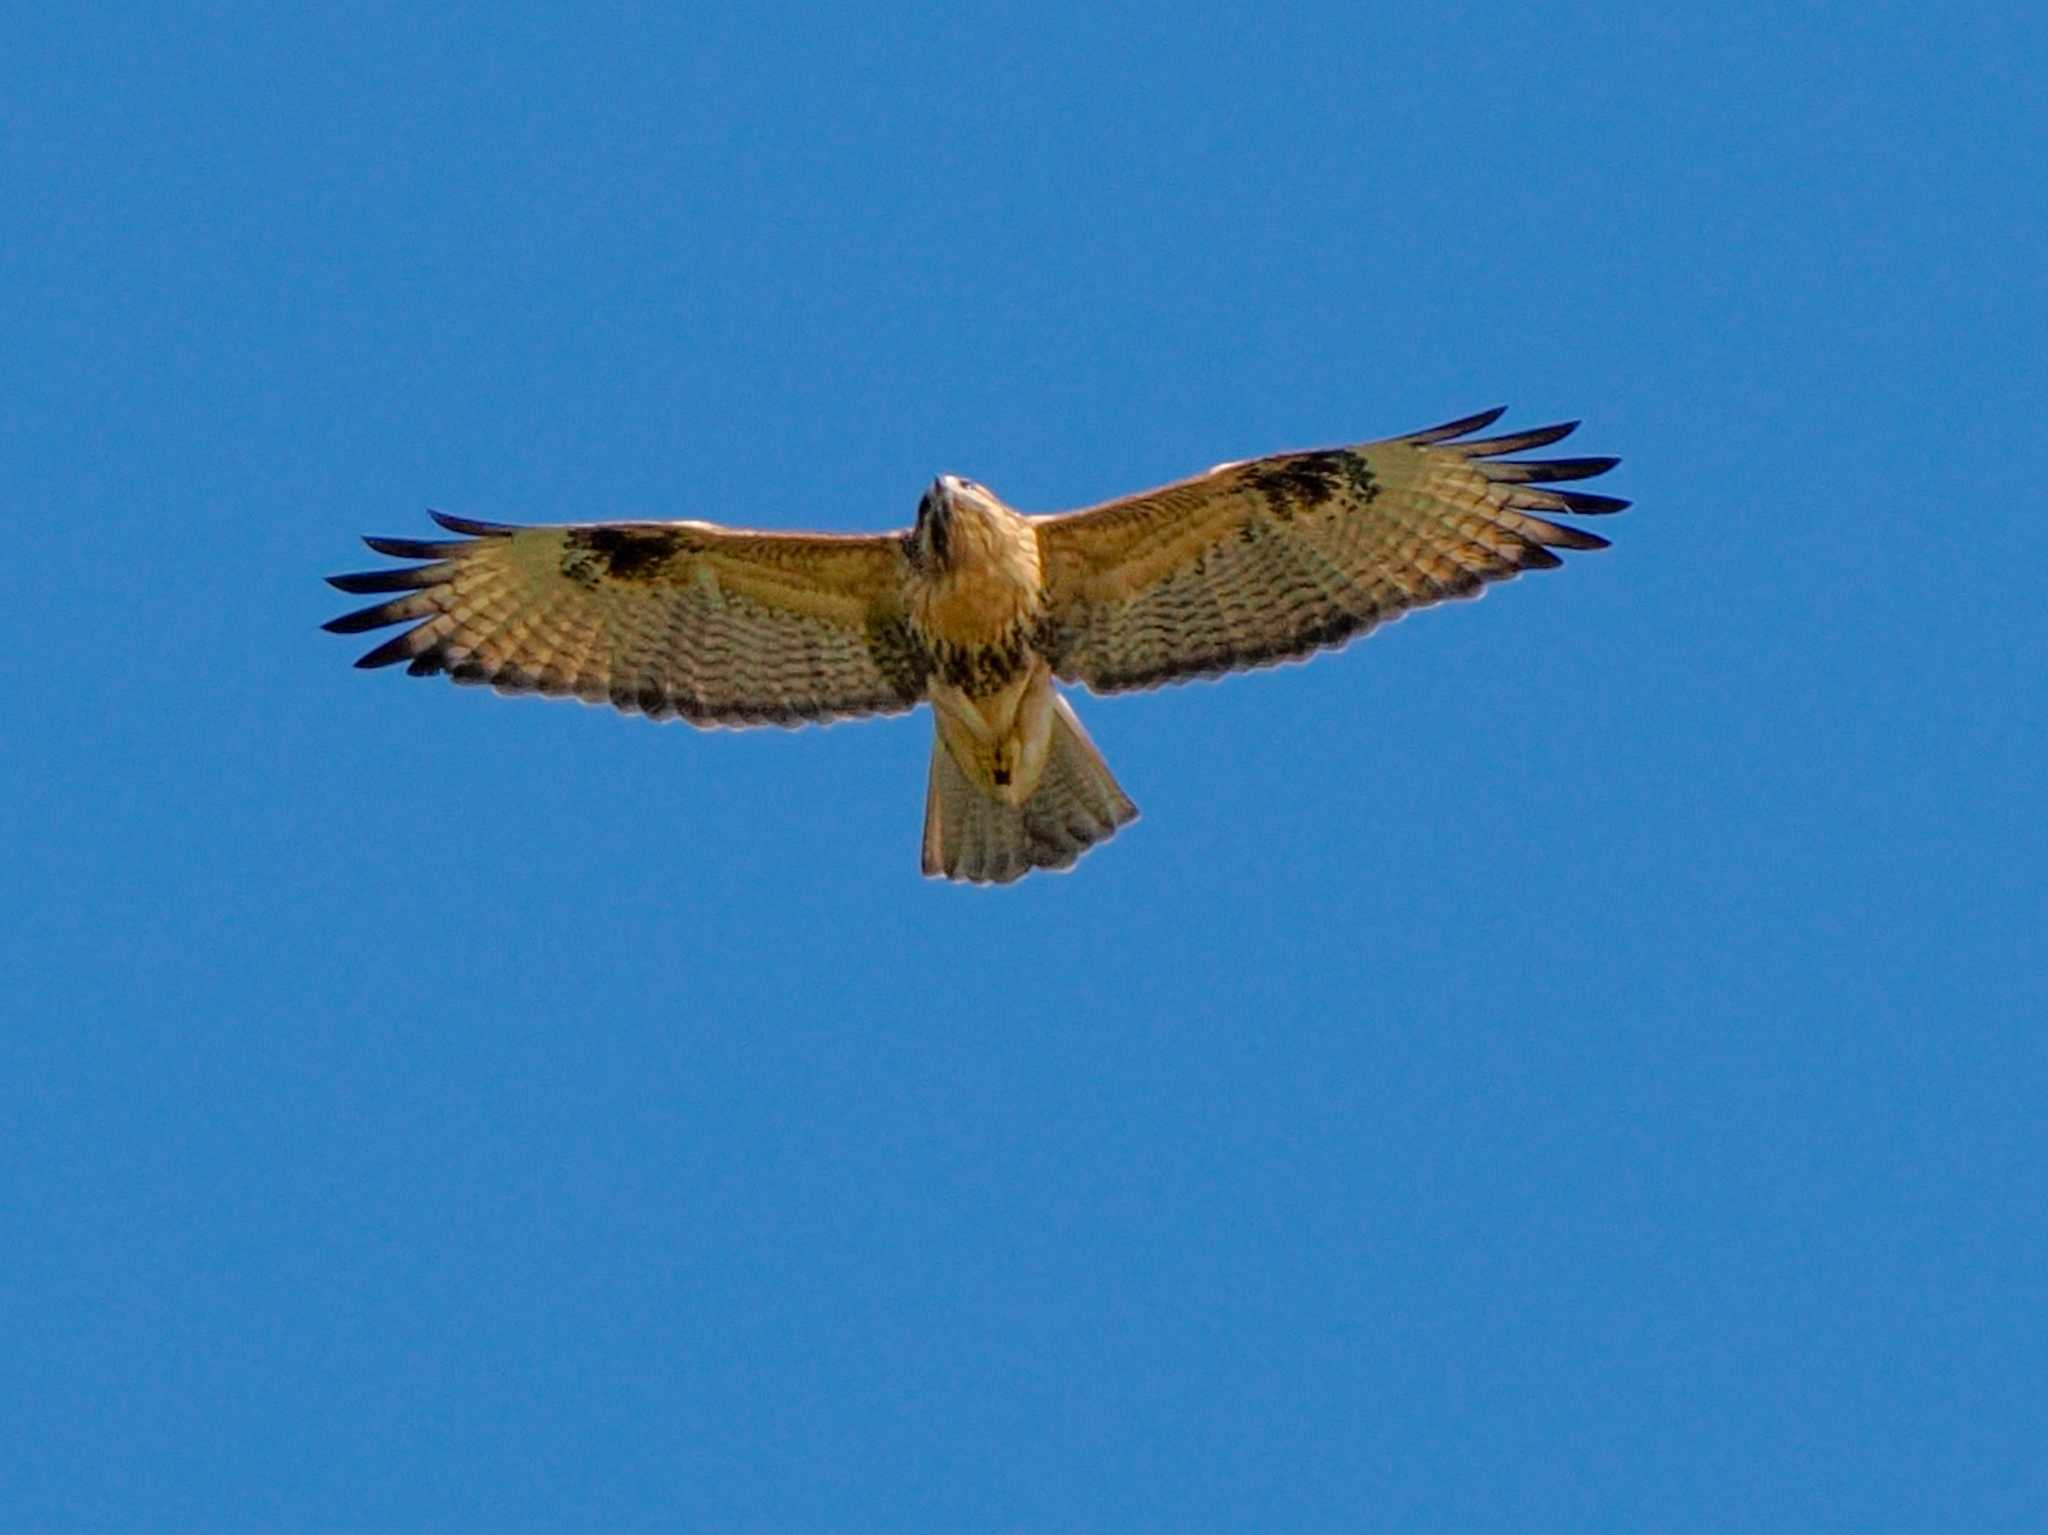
x: 1274, y: 558
x: 722, y: 626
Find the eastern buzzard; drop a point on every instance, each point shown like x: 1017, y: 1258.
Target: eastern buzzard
x: 978, y: 608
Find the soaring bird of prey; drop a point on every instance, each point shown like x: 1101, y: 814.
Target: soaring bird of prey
x: 978, y: 608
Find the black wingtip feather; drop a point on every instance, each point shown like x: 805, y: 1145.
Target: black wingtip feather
x: 470, y: 525
x: 411, y: 548
x: 375, y: 617
x: 407, y: 579
x: 1458, y: 428
x: 1588, y: 505
x: 390, y: 653
x: 1519, y: 442
x: 1579, y: 538
x: 1549, y: 469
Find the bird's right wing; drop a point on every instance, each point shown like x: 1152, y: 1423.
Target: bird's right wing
x: 721, y: 626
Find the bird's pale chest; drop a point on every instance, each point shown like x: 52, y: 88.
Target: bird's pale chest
x: 978, y: 614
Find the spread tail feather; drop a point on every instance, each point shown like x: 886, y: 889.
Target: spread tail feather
x: 1078, y: 803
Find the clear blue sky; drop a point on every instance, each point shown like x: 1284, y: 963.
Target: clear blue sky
x: 1571, y: 1062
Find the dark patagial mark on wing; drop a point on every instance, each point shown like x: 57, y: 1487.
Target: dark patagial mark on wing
x: 1297, y: 480
x: 1300, y: 481
x: 417, y: 580
x: 627, y: 553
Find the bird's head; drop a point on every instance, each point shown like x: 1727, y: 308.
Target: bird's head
x: 938, y: 516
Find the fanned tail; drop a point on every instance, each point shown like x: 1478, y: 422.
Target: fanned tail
x: 1078, y: 803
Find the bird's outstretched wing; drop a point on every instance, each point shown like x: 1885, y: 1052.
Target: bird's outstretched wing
x: 719, y: 625
x: 1268, y: 560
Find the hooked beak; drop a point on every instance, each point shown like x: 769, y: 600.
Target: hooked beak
x: 935, y: 513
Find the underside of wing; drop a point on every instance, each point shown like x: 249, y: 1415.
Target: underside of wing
x: 719, y: 626
x: 1269, y: 560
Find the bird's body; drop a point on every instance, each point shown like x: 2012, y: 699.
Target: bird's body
x: 978, y: 608
x: 976, y: 594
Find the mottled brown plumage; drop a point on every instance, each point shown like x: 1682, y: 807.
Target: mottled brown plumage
x: 977, y: 608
